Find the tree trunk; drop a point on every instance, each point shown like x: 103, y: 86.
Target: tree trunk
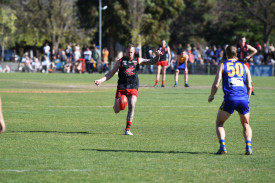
x: 3, y: 43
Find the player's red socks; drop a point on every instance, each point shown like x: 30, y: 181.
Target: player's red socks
x: 128, y: 125
x: 157, y: 82
x: 163, y: 81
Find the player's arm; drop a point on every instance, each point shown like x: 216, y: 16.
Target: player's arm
x: 178, y: 61
x: 216, y: 83
x: 249, y: 81
x: 254, y: 51
x: 109, y: 74
x: 2, y: 122
x: 185, y: 64
x: 153, y: 61
x: 169, y: 56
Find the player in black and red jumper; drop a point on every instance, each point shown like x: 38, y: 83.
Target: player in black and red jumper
x: 164, y: 62
x: 128, y: 82
x: 243, y: 53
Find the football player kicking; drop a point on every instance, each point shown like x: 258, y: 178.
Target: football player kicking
x: 128, y: 81
x: 2, y: 122
x: 236, y: 81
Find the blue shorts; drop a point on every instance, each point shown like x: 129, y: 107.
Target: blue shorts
x: 181, y: 67
x: 239, y: 105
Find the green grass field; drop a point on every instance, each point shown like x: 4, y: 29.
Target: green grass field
x: 61, y: 128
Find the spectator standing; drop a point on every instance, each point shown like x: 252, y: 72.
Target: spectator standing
x: 47, y: 50
x: 95, y: 56
x: 88, y: 57
x: 272, y: 51
x: 207, y: 55
x: 69, y: 51
x: 196, y: 55
x: 137, y: 49
x: 258, y: 58
x: 53, y: 53
x: 149, y: 55
x: 219, y: 54
x: 76, y: 55
x: 265, y: 53
x: 105, y: 59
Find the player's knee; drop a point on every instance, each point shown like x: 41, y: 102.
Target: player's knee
x: 219, y: 123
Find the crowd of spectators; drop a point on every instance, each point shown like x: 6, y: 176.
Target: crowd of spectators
x: 74, y: 59
x: 215, y: 54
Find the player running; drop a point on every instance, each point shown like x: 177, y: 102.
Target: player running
x: 236, y: 81
x: 2, y: 122
x: 128, y: 82
x: 181, y: 64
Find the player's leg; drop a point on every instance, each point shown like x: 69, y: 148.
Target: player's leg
x: 186, y: 78
x: 2, y: 122
x: 221, y: 118
x: 252, y: 93
x: 119, y: 93
x: 176, y: 77
x: 247, y: 132
x: 163, y: 75
x: 116, y: 105
x: 132, y: 99
x: 158, y: 74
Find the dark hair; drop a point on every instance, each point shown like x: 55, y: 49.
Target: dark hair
x: 130, y: 46
x: 231, y: 52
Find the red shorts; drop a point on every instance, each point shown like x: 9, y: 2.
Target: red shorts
x: 127, y: 92
x: 247, y: 64
x: 162, y: 63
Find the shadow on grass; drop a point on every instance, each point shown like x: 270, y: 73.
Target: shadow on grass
x: 140, y: 151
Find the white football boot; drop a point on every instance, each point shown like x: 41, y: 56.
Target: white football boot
x: 127, y: 132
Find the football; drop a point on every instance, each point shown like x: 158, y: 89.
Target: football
x: 123, y: 102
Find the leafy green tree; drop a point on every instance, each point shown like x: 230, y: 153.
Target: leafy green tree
x: 190, y: 25
x: 7, y: 27
x: 232, y: 19
x: 263, y: 11
x: 158, y: 19
x: 52, y: 21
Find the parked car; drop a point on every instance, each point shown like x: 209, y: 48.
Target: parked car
x: 9, y: 55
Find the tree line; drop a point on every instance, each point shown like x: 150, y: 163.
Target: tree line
x: 26, y: 24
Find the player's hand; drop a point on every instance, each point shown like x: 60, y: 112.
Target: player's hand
x: 158, y: 53
x: 210, y: 98
x: 97, y: 82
